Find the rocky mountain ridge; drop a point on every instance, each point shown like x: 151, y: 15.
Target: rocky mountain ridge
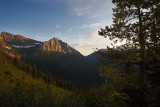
x: 53, y: 56
x: 53, y: 45
x: 56, y: 45
x: 17, y: 40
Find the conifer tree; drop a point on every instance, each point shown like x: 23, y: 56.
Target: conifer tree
x: 29, y: 68
x: 15, y: 61
x: 1, y: 59
x: 35, y: 73
x: 138, y: 23
x: 134, y: 21
x: 50, y: 78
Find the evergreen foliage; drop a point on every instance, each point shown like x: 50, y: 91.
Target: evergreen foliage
x: 19, y: 88
x: 138, y: 23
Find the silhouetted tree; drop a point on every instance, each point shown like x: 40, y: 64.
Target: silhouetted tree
x: 134, y: 22
x: 138, y: 23
x: 29, y: 67
x: 35, y: 73
x: 15, y: 61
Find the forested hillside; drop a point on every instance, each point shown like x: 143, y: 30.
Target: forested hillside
x: 21, y: 88
x: 22, y: 85
x: 53, y: 57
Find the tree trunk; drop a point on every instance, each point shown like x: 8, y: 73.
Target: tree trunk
x: 141, y: 43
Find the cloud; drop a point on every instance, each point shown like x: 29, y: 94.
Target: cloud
x: 81, y: 11
x: 87, y: 44
x: 91, y: 41
x: 82, y: 44
x: 93, y: 25
x: 91, y: 8
x: 69, y: 30
x: 57, y: 26
x: 77, y: 44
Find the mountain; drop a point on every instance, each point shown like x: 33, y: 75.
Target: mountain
x: 92, y: 58
x: 95, y: 57
x: 56, y: 45
x: 53, y: 45
x: 18, y: 41
x: 55, y: 57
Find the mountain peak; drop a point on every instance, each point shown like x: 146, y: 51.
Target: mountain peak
x: 55, y: 39
x: 52, y: 45
x: 17, y: 40
x: 56, y: 45
x: 5, y: 33
x: 11, y: 37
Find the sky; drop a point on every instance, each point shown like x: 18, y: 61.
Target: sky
x: 75, y: 22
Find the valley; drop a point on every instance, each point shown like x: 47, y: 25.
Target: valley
x: 55, y: 57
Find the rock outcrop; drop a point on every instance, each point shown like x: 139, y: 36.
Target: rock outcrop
x: 6, y: 48
x: 56, y: 45
x: 53, y: 45
x: 17, y: 40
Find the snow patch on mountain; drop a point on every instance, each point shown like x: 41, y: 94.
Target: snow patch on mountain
x: 37, y: 43
x: 29, y: 46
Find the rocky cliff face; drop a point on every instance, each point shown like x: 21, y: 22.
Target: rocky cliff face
x: 1, y: 38
x: 4, y: 45
x: 17, y: 40
x: 53, y: 45
x: 56, y: 45
x: 5, y: 48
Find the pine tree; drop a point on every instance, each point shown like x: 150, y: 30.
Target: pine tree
x: 138, y: 23
x: 29, y: 67
x: 15, y: 61
x: 35, y: 73
x: 132, y: 22
x: 50, y: 78
x: 1, y: 59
